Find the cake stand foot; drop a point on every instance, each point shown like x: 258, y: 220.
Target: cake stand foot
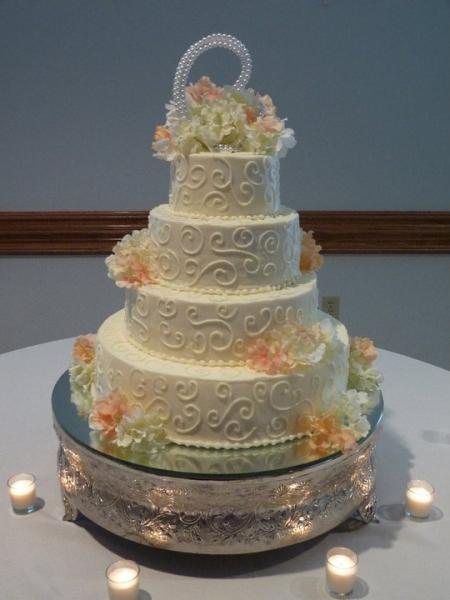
x: 70, y: 511
x: 366, y: 511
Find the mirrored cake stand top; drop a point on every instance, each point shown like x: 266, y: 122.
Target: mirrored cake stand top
x: 174, y: 460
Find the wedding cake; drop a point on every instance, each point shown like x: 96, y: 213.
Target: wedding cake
x: 221, y: 343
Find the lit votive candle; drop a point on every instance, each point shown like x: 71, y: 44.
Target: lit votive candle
x: 419, y: 498
x: 22, y: 492
x: 123, y: 580
x: 342, y: 567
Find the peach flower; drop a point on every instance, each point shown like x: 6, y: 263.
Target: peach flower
x: 326, y: 434
x: 268, y: 106
x: 251, y: 113
x: 135, y: 272
x: 310, y: 258
x: 161, y: 133
x: 270, y: 124
x: 362, y: 350
x: 107, y: 414
x: 204, y: 89
x: 290, y: 347
x: 84, y: 349
x: 268, y: 355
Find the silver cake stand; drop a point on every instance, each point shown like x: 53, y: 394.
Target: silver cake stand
x: 211, y: 501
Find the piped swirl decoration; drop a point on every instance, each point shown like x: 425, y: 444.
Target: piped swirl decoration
x: 212, y: 184
x: 216, y: 406
x: 217, y: 255
x: 211, y: 329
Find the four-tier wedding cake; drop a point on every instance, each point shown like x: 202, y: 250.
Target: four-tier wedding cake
x: 221, y: 343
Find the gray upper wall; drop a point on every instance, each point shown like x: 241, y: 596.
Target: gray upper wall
x: 365, y: 84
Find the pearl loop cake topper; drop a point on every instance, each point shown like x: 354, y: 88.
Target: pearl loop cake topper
x: 215, y: 40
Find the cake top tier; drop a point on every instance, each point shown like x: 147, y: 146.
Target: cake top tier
x: 225, y: 185
x: 203, y: 117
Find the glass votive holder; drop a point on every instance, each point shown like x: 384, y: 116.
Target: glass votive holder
x: 122, y: 578
x: 419, y: 498
x: 22, y: 492
x: 341, y: 570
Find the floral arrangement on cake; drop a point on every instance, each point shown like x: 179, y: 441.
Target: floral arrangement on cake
x: 132, y: 262
x: 362, y: 375
x: 340, y: 423
x: 126, y: 424
x: 242, y: 121
x: 82, y: 373
x: 310, y: 257
x: 291, y: 347
x: 117, y: 420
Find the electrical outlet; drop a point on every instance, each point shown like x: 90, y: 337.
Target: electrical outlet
x: 330, y: 305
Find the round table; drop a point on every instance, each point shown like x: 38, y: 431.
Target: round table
x: 44, y: 557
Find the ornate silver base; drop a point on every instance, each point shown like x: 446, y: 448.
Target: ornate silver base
x: 213, y: 516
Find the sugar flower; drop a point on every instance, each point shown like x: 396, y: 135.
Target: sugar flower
x: 162, y: 141
x: 82, y: 386
x: 132, y: 263
x: 362, y: 375
x: 107, y: 414
x: 363, y: 350
x: 219, y: 116
x: 291, y: 347
x: 310, y: 257
x: 267, y: 354
x: 82, y: 373
x: 350, y: 407
x: 140, y: 428
x: 122, y: 423
x: 339, y: 424
x: 83, y: 350
x: 204, y: 89
x: 325, y: 434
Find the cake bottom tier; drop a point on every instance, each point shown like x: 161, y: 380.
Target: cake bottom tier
x: 216, y: 407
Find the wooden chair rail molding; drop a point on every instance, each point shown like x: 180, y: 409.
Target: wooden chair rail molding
x: 339, y: 232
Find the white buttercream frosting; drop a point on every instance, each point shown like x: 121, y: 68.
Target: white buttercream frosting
x: 221, y: 407
x: 212, y: 329
x: 225, y: 184
x: 224, y: 256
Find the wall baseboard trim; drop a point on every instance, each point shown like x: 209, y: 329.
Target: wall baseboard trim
x: 339, y: 232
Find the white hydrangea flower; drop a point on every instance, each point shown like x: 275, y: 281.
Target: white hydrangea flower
x: 222, y: 116
x: 132, y: 263
x: 363, y: 378
x: 139, y: 427
x: 82, y: 385
x: 349, y: 407
x: 286, y: 140
x: 292, y: 347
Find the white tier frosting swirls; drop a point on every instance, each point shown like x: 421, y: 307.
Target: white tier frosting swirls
x: 218, y: 407
x: 212, y: 329
x: 222, y: 256
x: 225, y: 184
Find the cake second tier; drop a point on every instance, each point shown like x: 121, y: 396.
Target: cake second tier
x: 218, y: 256
x: 212, y: 329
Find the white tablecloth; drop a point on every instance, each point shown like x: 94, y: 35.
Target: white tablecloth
x: 43, y: 558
